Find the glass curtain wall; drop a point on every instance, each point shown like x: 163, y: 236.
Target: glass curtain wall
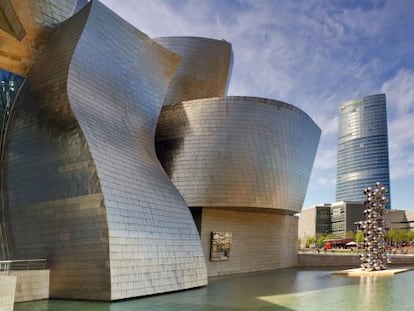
x: 362, y: 148
x: 10, y: 84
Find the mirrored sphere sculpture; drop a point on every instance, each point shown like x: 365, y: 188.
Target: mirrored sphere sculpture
x: 375, y: 257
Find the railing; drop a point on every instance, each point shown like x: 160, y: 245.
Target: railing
x: 30, y: 264
x: 348, y: 252
x: 5, y: 267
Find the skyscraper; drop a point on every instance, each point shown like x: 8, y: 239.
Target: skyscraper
x: 362, y: 147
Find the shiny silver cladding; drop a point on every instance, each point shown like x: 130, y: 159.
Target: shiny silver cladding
x: 363, y: 157
x: 85, y: 189
x: 238, y: 152
x: 204, y: 70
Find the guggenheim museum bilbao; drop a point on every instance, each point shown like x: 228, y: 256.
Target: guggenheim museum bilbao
x: 125, y: 165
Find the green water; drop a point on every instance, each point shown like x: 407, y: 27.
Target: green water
x: 285, y: 290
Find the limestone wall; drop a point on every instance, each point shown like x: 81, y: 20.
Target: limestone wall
x: 31, y: 285
x: 260, y: 241
x: 7, y: 290
x: 327, y: 260
x: 403, y: 260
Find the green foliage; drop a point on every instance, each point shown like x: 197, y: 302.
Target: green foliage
x: 320, y: 242
x: 359, y: 237
x: 390, y: 236
x: 310, y: 242
x: 399, y: 236
x: 350, y: 235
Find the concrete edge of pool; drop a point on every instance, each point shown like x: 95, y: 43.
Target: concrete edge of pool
x: 359, y: 272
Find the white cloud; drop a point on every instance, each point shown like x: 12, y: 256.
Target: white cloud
x: 326, y: 159
x: 312, y: 54
x: 400, y: 98
x: 303, y: 54
x: 400, y: 91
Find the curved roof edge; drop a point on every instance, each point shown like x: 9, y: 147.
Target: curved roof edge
x: 192, y: 38
x: 254, y: 99
x: 360, y: 100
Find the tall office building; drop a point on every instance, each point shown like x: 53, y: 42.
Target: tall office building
x: 362, y: 148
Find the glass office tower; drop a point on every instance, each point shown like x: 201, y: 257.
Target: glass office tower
x: 9, y: 86
x: 362, y: 148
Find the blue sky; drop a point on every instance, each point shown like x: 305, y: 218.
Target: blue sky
x: 315, y: 55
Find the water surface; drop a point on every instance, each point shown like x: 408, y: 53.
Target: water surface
x: 285, y: 290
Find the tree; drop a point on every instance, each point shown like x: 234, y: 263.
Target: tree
x: 390, y: 236
x: 396, y: 236
x: 400, y: 236
x: 350, y: 235
x: 410, y: 236
x: 359, y: 237
x: 310, y: 242
x: 321, y: 241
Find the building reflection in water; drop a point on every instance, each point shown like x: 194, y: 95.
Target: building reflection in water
x: 374, y: 292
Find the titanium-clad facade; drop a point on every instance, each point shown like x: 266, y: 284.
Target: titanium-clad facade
x: 204, y: 70
x: 84, y: 187
x: 238, y: 152
x: 81, y: 182
x: 362, y: 148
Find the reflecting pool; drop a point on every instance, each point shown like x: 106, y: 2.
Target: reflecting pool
x: 290, y: 289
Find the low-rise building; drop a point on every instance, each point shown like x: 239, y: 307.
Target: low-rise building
x: 330, y: 218
x: 338, y: 218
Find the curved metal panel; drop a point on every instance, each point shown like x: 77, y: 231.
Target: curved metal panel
x: 53, y: 195
x: 204, y: 70
x: 362, y: 148
x: 154, y: 244
x: 238, y: 152
x: 82, y: 142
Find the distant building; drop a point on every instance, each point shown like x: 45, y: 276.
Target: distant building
x: 338, y: 218
x: 344, y: 214
x: 9, y: 86
x: 315, y: 221
x: 400, y: 220
x: 362, y: 148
